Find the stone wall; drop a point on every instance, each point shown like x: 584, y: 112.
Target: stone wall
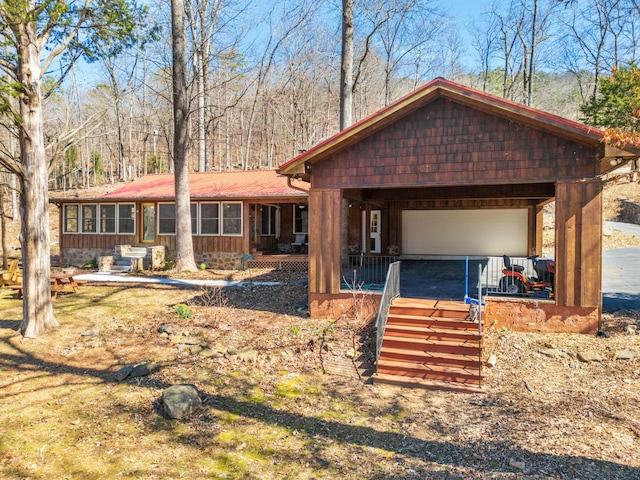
x: 77, y: 257
x: 629, y: 211
x: 220, y: 260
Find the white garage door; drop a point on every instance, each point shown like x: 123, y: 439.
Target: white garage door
x: 465, y: 232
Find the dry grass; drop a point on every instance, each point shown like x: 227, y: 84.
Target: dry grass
x: 280, y: 416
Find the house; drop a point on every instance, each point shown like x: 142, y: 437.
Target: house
x: 448, y: 172
x: 234, y: 214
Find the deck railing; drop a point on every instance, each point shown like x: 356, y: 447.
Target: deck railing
x: 367, y: 272
x: 391, y: 291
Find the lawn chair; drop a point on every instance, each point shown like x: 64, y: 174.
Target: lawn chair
x: 12, y: 276
x: 300, y: 243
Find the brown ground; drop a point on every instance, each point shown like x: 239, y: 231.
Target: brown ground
x: 284, y: 399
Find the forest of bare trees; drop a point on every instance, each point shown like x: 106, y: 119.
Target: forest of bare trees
x: 264, y: 77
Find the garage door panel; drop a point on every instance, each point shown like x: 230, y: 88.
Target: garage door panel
x: 492, y: 232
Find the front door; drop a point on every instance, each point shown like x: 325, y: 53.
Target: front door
x: 373, y: 230
x: 148, y: 230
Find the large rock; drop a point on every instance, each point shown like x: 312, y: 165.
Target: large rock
x: 180, y: 401
x: 589, y: 356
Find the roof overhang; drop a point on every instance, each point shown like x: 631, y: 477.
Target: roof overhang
x: 300, y: 166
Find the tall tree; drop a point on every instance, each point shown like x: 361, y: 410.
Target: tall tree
x: 34, y: 34
x: 346, y: 66
x: 185, y: 261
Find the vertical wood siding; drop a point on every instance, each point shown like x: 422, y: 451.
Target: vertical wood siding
x: 579, y: 243
x: 325, y: 213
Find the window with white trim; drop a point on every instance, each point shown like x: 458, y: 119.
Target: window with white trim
x: 71, y: 218
x: 89, y: 218
x: 209, y: 218
x: 126, y: 218
x: 194, y: 218
x: 167, y: 218
x: 107, y: 218
x: 232, y: 218
x: 301, y: 218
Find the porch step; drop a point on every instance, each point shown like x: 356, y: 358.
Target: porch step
x: 430, y: 308
x: 120, y: 268
x: 136, y: 252
x: 425, y: 371
x: 431, y: 344
x: 427, y: 321
x: 412, y: 382
x: 434, y: 331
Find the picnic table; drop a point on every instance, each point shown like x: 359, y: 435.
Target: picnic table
x: 59, y: 282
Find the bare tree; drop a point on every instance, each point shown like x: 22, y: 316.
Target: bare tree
x: 35, y: 35
x: 185, y: 261
x: 346, y: 65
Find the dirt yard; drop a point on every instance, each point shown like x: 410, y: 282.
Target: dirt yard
x: 285, y: 396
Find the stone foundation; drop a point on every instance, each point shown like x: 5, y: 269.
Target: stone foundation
x: 77, y: 257
x: 220, y: 260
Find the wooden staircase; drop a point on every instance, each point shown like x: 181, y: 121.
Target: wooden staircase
x: 430, y: 344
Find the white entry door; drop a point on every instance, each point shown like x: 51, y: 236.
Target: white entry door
x: 374, y: 231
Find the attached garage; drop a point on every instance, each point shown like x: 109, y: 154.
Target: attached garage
x: 489, y: 232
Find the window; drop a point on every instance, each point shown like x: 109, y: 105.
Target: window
x: 301, y: 218
x: 209, y: 219
x: 126, y: 218
x: 268, y: 214
x: 167, y: 218
x: 194, y: 218
x: 107, y: 218
x: 89, y: 218
x: 232, y: 218
x: 71, y: 218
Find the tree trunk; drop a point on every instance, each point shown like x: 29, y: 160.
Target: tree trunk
x: 184, y: 240
x: 36, y: 307
x: 346, y: 67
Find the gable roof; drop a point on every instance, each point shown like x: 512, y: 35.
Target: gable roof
x: 209, y: 185
x: 441, y: 88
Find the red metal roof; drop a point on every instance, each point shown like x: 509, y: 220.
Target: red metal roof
x: 439, y: 88
x: 218, y: 185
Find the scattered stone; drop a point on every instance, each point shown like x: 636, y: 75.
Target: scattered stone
x: 165, y: 328
x: 492, y: 360
x: 587, y: 357
x: 90, y: 333
x: 631, y: 329
x: 180, y: 401
x: 185, y: 340
x: 123, y: 373
x: 209, y: 352
x: 351, y: 353
x: 195, y: 349
x: 182, y: 348
x: 144, y: 369
x: 626, y: 355
x: 516, y: 464
x: 248, y: 356
x: 555, y: 353
x: 232, y: 351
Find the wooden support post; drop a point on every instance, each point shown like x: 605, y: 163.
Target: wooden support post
x: 579, y: 243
